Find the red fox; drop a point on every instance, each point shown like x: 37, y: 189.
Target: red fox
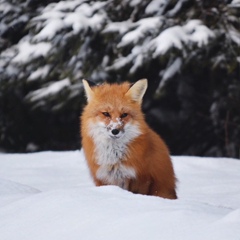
x: 119, y: 146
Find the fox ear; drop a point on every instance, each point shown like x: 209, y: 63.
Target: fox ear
x: 137, y: 90
x: 88, y: 91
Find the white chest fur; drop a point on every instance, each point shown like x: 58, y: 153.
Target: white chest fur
x: 110, y: 154
x: 117, y: 174
x: 110, y: 151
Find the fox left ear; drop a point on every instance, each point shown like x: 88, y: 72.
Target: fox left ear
x: 137, y: 91
x: 89, y: 92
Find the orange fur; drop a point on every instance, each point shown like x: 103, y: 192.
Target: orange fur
x: 145, y: 166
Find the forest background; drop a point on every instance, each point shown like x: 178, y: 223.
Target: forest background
x: 189, y: 50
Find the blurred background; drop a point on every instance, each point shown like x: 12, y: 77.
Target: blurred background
x: 189, y: 50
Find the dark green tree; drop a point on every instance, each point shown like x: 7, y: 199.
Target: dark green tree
x: 188, y: 49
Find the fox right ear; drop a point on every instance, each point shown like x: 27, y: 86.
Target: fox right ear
x: 137, y: 90
x: 88, y: 91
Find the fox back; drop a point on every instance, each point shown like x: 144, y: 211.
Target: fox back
x: 119, y: 146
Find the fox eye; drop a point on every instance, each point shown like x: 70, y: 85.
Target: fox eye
x: 124, y: 115
x: 106, y: 114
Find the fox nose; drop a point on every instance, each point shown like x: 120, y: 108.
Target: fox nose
x: 115, y: 131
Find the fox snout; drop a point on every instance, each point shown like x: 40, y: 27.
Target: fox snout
x: 115, y: 129
x: 115, y: 133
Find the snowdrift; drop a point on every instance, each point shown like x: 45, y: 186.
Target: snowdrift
x: 50, y: 195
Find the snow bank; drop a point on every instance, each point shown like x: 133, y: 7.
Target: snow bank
x: 50, y: 195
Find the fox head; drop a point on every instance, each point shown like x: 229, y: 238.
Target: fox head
x: 113, y: 111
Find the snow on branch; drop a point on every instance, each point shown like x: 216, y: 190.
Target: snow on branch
x: 52, y: 89
x: 75, y: 14
x: 27, y: 51
x: 235, y: 3
x: 143, y: 27
x: 63, y: 34
x: 151, y: 42
x: 179, y: 36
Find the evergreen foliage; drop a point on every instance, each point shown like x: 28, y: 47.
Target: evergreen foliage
x: 188, y: 49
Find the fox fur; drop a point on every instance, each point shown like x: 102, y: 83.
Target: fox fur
x: 119, y: 146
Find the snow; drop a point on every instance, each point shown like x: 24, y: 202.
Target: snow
x: 69, y: 5
x: 173, y: 36
x: 150, y: 42
x: 137, y: 42
x: 75, y: 14
x: 6, y: 7
x: 234, y: 35
x: 54, y: 19
x: 80, y: 22
x: 235, y: 3
x: 52, y: 89
x: 197, y: 32
x: 144, y: 26
x: 41, y: 72
x: 120, y: 27
x: 121, y: 62
x: 50, y: 30
x: 134, y: 3
x: 176, y: 9
x: 171, y: 70
x: 178, y: 36
x: 157, y: 6
x: 28, y: 51
x: 50, y: 195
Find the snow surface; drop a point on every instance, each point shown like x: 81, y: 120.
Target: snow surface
x: 49, y: 195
